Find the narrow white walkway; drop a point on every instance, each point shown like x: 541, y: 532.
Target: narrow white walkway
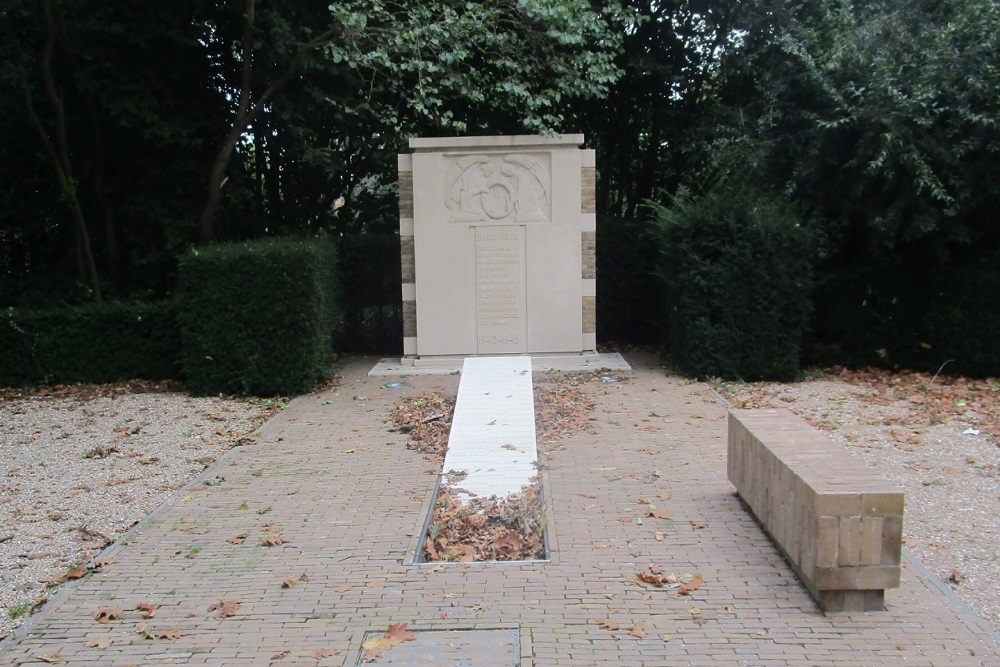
x: 492, y: 439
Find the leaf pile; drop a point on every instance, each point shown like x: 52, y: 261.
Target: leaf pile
x: 427, y: 420
x: 560, y: 410
x: 487, y: 529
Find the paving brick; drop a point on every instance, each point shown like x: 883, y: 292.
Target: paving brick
x: 348, y: 516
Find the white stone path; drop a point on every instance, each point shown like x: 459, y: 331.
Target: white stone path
x: 492, y: 439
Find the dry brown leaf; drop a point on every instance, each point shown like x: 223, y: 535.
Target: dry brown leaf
x: 77, y: 573
x: 104, y: 562
x: 607, y: 624
x: 658, y: 536
x: 686, y: 589
x: 304, y: 578
x: 322, y: 653
x: 142, y: 628
x: 148, y: 609
x: 51, y: 658
x: 956, y: 577
x: 225, y: 608
x: 237, y: 539
x: 105, y: 616
x: 98, y: 643
x: 697, y: 525
x: 665, y: 638
x: 279, y: 656
x: 396, y: 634
x: 272, y: 541
x: 288, y: 583
x: 637, y: 631
x: 657, y: 513
x: 664, y: 495
x: 169, y: 634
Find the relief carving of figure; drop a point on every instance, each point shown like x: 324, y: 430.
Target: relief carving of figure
x: 475, y: 190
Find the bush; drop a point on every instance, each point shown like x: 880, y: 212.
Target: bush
x: 257, y: 317
x: 95, y: 343
x: 736, y: 270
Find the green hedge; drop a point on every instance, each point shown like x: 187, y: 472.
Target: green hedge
x: 257, y: 317
x: 736, y: 270
x: 92, y: 344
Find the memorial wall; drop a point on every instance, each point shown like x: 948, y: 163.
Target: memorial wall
x: 497, y: 242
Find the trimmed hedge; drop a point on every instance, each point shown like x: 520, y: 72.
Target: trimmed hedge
x: 257, y: 317
x: 737, y: 271
x: 94, y: 343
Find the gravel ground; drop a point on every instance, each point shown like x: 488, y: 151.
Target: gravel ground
x: 80, y: 466
x: 938, y: 441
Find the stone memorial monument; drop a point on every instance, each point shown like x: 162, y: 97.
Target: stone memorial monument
x: 497, y: 239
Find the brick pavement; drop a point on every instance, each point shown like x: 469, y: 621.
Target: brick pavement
x: 328, y: 475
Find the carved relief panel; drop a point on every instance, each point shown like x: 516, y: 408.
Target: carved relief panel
x: 490, y: 189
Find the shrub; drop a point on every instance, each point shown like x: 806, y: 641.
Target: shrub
x: 94, y: 343
x: 257, y: 317
x: 736, y: 270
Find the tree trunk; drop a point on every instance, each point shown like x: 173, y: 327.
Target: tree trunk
x: 59, y: 153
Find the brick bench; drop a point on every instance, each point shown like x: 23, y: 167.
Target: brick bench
x: 837, y: 522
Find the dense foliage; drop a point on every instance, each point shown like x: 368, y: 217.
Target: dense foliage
x: 257, y: 317
x: 89, y: 343
x: 133, y: 132
x: 736, y: 269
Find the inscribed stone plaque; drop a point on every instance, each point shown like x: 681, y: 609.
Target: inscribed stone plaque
x: 500, y: 299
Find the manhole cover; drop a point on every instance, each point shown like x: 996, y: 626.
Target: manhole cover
x: 454, y: 648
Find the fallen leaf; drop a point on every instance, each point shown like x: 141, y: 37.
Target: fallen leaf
x: 665, y: 638
x: 686, y: 589
x: 607, y: 624
x: 344, y: 588
x: 642, y: 501
x: 225, y: 608
x: 51, y: 658
x: 279, y: 656
x: 321, y: 653
x: 956, y: 577
x: 697, y: 525
x: 664, y: 495
x: 104, y: 562
x: 352, y: 450
x: 288, y: 583
x: 142, y: 628
x: 444, y: 617
x: 169, y: 634
x: 396, y: 634
x: 77, y: 573
x: 658, y: 536
x: 238, y: 539
x: 657, y: 513
x: 304, y: 578
x: 147, y: 609
x: 98, y: 643
x: 637, y: 631
x: 105, y: 616
x: 272, y: 541
x: 646, y: 597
